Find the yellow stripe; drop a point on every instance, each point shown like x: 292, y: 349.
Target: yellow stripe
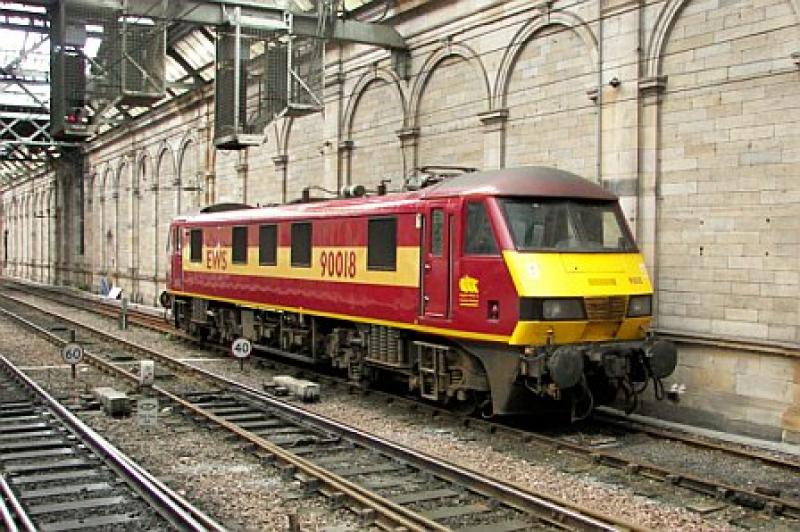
x: 406, y: 274
x: 400, y: 325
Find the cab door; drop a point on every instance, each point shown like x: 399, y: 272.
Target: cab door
x: 176, y: 260
x: 436, y: 259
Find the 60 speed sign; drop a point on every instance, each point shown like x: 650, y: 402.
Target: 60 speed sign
x: 72, y: 353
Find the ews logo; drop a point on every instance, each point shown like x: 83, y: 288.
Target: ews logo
x: 216, y: 259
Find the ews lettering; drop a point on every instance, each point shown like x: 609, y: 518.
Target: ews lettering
x: 216, y: 259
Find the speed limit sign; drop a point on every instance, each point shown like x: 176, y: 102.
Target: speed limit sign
x: 241, y: 348
x: 72, y: 353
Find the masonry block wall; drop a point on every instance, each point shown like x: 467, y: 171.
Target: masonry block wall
x: 685, y: 108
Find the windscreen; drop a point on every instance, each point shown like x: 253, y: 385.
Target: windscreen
x: 566, y: 225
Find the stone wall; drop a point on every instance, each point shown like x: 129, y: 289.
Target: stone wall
x: 685, y: 108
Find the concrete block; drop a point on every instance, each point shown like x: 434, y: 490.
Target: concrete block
x: 115, y: 403
x: 302, y: 389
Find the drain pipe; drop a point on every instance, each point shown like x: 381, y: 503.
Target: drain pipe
x: 599, y: 121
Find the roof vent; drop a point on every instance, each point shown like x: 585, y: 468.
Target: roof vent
x: 224, y: 207
x: 353, y: 191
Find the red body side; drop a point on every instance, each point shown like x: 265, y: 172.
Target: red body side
x: 437, y: 299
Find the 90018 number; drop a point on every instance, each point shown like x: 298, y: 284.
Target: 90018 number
x: 338, y: 263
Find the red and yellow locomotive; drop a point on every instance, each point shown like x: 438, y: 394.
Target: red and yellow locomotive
x: 487, y: 290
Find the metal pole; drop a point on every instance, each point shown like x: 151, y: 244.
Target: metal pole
x: 73, y: 367
x: 123, y: 315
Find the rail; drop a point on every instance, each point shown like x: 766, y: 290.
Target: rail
x: 179, y: 512
x: 541, y: 505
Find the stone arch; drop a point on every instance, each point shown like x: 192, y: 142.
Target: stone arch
x: 35, y: 234
x: 528, y: 32
x: 105, y: 196
x: 662, y: 30
x: 188, y: 187
x: 450, y: 93
x: 541, y: 88
x: 166, y: 182
x: 363, y: 84
x: 433, y: 62
x: 142, y: 218
x: 374, y: 152
x: 120, y: 214
x: 45, y: 236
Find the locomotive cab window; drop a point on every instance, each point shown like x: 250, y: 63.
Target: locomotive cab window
x: 478, y: 234
x: 301, y: 244
x: 568, y: 225
x: 196, y: 245
x: 268, y: 245
x: 437, y: 232
x: 239, y: 253
x: 382, y: 244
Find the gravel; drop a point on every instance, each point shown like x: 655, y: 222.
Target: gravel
x: 227, y: 482
x: 529, y: 466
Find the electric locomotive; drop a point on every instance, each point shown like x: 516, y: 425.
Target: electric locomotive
x: 494, y: 291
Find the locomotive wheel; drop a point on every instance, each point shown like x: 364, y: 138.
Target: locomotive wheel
x: 467, y: 407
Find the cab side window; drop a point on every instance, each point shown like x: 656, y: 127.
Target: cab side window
x: 196, y: 245
x: 478, y: 235
x: 239, y: 254
x: 382, y: 244
x: 301, y: 245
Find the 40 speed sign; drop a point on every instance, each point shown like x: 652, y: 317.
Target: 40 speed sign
x: 241, y: 348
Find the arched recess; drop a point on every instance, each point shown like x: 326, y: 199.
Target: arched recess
x: 375, y: 113
x: 43, y: 234
x: 49, y: 212
x: 28, y: 234
x: 305, y: 153
x: 449, y: 93
x: 27, y: 223
x: 14, y: 235
x: 15, y: 220
x: 188, y: 188
x: 165, y: 205
x: 559, y: 20
x: 89, y: 217
x: 662, y: 30
x: 104, y: 194
x: 726, y: 170
x: 116, y: 263
x: 542, y: 81
x: 145, y: 216
x: 35, y: 235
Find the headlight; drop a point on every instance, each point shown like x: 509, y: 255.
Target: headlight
x: 540, y: 309
x: 640, y: 306
x: 562, y: 309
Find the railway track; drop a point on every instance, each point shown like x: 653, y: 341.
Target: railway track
x: 58, y: 474
x: 385, y: 483
x: 753, y: 498
x: 756, y: 498
x: 161, y: 323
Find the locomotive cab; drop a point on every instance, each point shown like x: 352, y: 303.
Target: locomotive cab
x: 576, y: 288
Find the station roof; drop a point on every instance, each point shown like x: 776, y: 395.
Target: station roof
x: 25, y: 144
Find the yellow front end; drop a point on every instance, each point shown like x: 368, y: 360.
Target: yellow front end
x: 604, y: 282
